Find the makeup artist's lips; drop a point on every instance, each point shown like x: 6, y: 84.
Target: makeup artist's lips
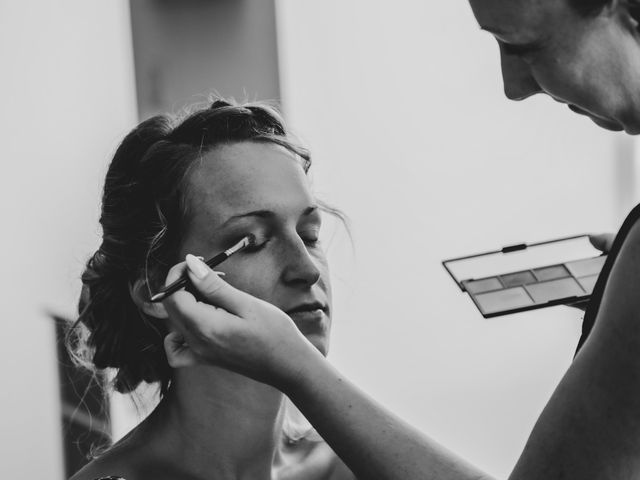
x: 601, y: 122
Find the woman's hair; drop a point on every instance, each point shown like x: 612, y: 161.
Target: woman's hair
x: 144, y: 211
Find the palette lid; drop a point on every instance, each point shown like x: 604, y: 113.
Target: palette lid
x: 519, y: 257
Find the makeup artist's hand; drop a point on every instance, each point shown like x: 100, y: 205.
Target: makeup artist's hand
x: 603, y: 242
x: 232, y: 329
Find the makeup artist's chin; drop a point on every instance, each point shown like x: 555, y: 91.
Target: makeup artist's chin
x: 607, y: 124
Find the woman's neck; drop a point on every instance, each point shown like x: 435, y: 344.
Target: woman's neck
x: 218, y: 424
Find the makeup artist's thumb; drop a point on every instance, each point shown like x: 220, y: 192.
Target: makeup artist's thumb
x: 215, y: 290
x: 602, y: 241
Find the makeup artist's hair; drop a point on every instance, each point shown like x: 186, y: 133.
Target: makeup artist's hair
x: 588, y: 7
x: 144, y: 211
x: 593, y: 7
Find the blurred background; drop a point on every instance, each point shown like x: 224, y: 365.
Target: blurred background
x: 401, y: 104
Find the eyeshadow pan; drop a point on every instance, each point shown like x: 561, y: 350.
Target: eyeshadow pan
x: 554, y: 289
x: 500, y: 300
x: 551, y: 273
x: 587, y: 266
x: 588, y: 282
x: 482, y: 285
x: 517, y: 278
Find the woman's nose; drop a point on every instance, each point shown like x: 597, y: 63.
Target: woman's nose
x: 300, y: 266
x: 516, y: 76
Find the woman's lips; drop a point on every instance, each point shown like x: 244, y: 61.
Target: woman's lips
x: 307, y: 316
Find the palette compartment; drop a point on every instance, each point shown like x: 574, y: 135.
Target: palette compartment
x: 548, y: 282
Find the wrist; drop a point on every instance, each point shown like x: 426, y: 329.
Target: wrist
x: 301, y: 367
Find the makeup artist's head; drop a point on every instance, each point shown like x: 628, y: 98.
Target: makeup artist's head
x: 584, y: 53
x: 198, y: 185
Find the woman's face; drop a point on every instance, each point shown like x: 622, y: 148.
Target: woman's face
x: 261, y: 188
x: 592, y: 64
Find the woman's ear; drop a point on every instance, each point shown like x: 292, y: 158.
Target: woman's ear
x: 139, y: 291
x: 628, y: 11
x: 633, y: 6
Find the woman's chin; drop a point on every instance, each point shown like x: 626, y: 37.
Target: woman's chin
x: 320, y: 341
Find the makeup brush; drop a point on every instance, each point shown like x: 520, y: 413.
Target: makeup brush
x: 212, y: 262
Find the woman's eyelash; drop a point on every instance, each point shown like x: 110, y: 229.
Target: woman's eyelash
x: 258, y: 244
x: 255, y: 247
x: 262, y: 240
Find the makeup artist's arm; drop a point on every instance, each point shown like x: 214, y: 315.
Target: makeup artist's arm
x: 590, y: 429
x: 253, y: 337
x: 603, y: 242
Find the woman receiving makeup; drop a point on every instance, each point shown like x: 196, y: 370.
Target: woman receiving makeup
x: 198, y: 185
x: 586, y: 54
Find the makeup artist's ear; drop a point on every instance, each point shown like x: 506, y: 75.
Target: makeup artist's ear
x: 140, y: 295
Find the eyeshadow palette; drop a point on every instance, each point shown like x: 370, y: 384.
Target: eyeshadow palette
x: 528, y: 276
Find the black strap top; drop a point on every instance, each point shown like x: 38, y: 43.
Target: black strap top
x: 596, y: 297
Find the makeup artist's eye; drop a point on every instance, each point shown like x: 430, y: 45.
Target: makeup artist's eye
x: 523, y: 51
x: 311, y: 239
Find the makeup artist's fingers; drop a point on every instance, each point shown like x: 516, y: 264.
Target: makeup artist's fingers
x: 215, y: 290
x: 176, y: 272
x: 178, y: 352
x: 602, y: 241
x: 581, y: 305
x: 261, y: 341
x: 260, y: 346
x: 202, y: 328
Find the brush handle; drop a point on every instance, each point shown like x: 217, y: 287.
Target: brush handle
x: 183, y: 281
x: 211, y: 263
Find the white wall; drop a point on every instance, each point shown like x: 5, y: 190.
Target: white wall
x: 67, y: 99
x: 402, y: 104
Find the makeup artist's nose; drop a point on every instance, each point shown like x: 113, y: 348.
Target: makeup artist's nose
x: 516, y: 76
x: 300, y: 266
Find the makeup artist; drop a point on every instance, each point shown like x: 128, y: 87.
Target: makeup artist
x: 585, y: 54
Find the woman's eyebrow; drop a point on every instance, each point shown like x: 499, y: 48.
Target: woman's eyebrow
x: 264, y: 214
x: 255, y: 213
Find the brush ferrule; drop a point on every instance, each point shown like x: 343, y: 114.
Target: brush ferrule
x: 245, y: 242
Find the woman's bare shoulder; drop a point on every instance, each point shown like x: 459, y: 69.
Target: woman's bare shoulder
x: 621, y: 292
x: 111, y: 465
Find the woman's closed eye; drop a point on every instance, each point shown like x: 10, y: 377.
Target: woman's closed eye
x: 260, y: 242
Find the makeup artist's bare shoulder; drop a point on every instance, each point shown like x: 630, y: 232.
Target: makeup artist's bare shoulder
x: 620, y: 301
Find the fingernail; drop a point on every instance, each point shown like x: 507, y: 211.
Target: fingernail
x: 197, y: 266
